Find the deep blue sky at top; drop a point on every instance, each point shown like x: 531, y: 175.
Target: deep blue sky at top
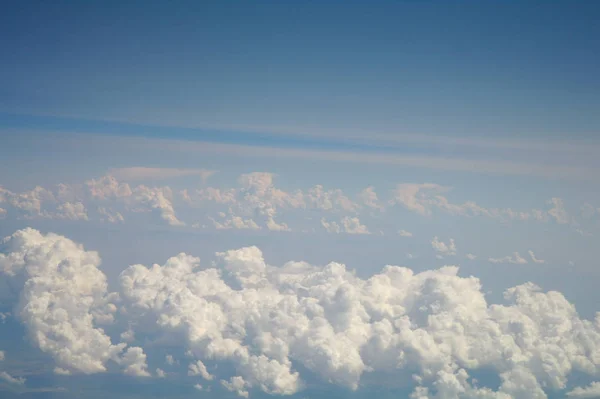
x: 453, y: 68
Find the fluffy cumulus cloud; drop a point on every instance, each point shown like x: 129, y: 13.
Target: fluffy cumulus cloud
x: 63, y: 301
x: 349, y: 225
x: 443, y: 248
x: 436, y: 327
x: 234, y: 222
x: 108, y: 191
x: 72, y: 211
x: 369, y: 198
x: 279, y: 328
x: 254, y: 202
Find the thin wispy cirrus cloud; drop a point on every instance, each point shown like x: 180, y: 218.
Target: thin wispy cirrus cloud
x: 146, y: 173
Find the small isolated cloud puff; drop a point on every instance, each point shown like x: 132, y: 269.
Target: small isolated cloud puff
x: 145, y: 173
x: 471, y: 256
x: 404, y: 233
x: 170, y: 360
x: 442, y: 248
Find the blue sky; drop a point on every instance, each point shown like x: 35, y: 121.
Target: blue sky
x: 452, y: 68
x: 419, y: 134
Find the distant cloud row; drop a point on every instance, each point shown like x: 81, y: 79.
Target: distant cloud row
x: 254, y: 203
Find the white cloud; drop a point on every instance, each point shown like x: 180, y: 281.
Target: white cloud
x: 235, y: 222
x: 72, y: 211
x: 270, y: 324
x: 107, y: 187
x: 592, y: 391
x: 558, y: 211
x: 328, y: 200
x: 423, y: 198
x: 349, y: 225
x: 128, y: 335
x: 435, y: 324
x: 10, y: 379
x: 169, y: 360
x: 158, y: 199
x: 145, y: 173
x: 138, y: 199
x: 198, y: 368
x: 515, y: 258
x: 199, y: 387
x: 369, y: 198
x: 255, y: 203
x: 134, y: 362
x: 442, y: 248
x: 63, y: 300
x: 236, y: 384
x: 110, y: 216
x: 404, y: 233
x: 331, y: 227
x: 7, y: 377
x: 352, y: 225
x: 412, y: 198
x: 160, y: 373
x: 534, y: 259
x: 471, y: 256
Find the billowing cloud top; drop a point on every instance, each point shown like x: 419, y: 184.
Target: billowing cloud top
x: 282, y: 326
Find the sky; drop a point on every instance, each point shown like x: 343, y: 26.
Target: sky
x: 300, y: 199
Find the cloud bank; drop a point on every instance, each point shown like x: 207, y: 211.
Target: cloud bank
x: 280, y: 327
x: 257, y: 203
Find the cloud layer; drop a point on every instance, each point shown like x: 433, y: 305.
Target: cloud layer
x: 280, y: 327
x: 257, y: 203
